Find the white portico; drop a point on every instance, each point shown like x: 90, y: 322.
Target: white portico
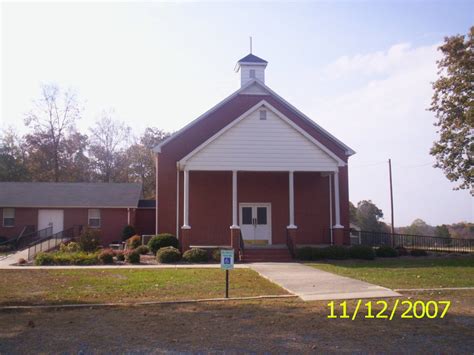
x: 264, y: 140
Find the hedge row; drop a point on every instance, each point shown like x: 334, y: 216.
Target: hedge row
x: 354, y: 252
x: 195, y: 255
x: 61, y: 258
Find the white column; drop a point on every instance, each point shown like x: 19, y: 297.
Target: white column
x: 235, y: 223
x: 186, y: 201
x: 291, y: 200
x: 336, y: 201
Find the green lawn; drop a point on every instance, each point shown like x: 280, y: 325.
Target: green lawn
x: 407, y: 272
x: 127, y: 285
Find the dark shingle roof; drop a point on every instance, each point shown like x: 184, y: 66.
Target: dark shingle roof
x: 251, y: 59
x: 147, y: 204
x: 85, y: 195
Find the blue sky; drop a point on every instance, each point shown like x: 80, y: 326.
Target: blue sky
x: 360, y: 69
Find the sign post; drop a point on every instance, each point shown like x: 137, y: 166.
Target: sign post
x: 227, y: 263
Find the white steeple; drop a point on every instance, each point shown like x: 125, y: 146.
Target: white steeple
x: 251, y: 67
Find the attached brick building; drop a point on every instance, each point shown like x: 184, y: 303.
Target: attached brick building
x: 107, y: 207
x: 253, y: 168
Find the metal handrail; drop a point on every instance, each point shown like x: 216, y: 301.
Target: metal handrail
x: 50, y: 242
x: 25, y: 240
x: 14, y: 240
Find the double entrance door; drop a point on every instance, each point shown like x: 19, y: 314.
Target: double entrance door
x: 256, y: 223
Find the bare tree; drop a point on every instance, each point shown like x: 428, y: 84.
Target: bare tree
x: 53, y: 115
x: 109, y: 138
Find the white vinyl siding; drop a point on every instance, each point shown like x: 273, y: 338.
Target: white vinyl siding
x: 245, y: 70
x: 94, y: 218
x: 8, y: 217
x: 262, y: 145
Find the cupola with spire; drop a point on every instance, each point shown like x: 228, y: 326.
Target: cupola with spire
x: 251, y: 67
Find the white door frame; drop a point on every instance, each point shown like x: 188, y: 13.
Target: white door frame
x: 264, y: 233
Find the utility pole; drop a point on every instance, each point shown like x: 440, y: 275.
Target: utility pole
x: 391, y: 197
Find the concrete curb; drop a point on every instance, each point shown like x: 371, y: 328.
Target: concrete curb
x: 117, y: 304
x: 126, y: 266
x: 434, y: 289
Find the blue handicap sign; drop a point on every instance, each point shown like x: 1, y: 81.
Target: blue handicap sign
x: 227, y: 259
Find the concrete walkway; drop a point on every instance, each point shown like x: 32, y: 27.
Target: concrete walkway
x: 13, y: 258
x: 311, y: 284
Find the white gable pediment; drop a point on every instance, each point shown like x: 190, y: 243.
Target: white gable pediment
x: 253, y: 144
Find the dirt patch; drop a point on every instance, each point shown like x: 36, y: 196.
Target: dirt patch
x: 255, y: 326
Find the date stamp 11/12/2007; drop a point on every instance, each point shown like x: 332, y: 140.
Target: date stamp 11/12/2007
x: 381, y: 309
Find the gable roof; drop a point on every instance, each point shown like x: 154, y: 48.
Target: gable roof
x: 67, y: 194
x: 250, y: 58
x: 246, y: 115
x: 277, y: 100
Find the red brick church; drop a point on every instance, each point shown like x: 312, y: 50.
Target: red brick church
x: 253, y: 172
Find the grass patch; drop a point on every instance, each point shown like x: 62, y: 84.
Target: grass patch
x: 407, y: 272
x: 96, y: 286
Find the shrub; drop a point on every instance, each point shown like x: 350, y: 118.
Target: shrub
x: 127, y: 232
x: 43, y: 258
x: 195, y: 255
x: 216, y: 255
x: 59, y: 258
x: 161, y: 241
x: 318, y: 253
x: 168, y: 255
x: 106, y: 256
x: 304, y: 253
x: 120, y: 255
x: 386, y: 251
x: 142, y: 249
x: 362, y: 252
x: 22, y: 261
x: 402, y: 251
x: 134, y: 242
x: 71, y: 247
x: 418, y: 252
x: 336, y: 252
x: 132, y: 257
x: 89, y: 240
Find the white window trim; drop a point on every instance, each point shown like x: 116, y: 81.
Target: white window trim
x: 4, y: 217
x: 89, y: 217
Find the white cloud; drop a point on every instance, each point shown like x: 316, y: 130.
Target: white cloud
x: 385, y: 116
x: 396, y: 59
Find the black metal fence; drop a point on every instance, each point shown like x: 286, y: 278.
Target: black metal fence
x: 410, y: 241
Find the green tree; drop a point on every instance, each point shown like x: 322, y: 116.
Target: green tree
x: 141, y: 160
x: 367, y: 216
x: 12, y: 157
x: 352, y: 213
x: 419, y: 227
x: 453, y: 105
x: 442, y: 231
